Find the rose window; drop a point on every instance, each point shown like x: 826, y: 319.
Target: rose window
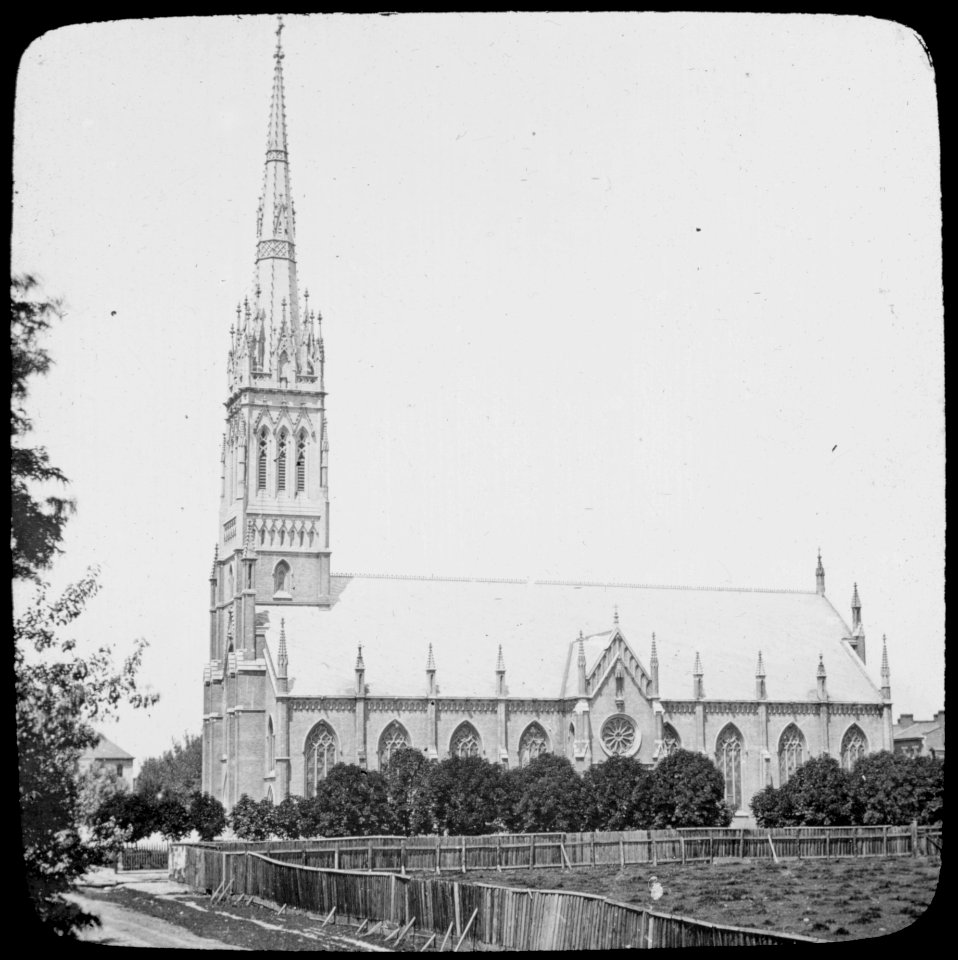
x: 618, y: 736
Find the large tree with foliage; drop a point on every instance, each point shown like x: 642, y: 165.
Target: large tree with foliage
x: 177, y: 772
x: 618, y: 794
x: 406, y: 774
x: 687, y: 791
x: 349, y: 802
x: 59, y: 692
x: 552, y: 797
x: 819, y: 793
x: 462, y: 795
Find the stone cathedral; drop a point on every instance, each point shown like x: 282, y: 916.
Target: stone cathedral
x: 309, y: 668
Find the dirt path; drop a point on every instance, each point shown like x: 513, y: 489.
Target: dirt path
x: 128, y: 928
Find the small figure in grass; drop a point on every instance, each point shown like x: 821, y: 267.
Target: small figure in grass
x: 655, y: 888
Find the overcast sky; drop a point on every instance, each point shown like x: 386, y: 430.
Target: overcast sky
x: 651, y: 298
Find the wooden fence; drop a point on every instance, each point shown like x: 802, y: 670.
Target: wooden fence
x: 440, y: 855
x: 142, y: 856
x: 504, y: 917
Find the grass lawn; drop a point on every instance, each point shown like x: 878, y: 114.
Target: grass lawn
x: 835, y: 900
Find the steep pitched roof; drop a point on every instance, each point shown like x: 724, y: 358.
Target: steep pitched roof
x: 106, y: 750
x: 538, y: 623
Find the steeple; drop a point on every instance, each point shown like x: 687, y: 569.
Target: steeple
x: 275, y: 221
x: 856, y: 607
x: 820, y: 576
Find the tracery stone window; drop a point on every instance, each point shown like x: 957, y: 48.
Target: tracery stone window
x: 671, y: 741
x: 261, y: 460
x: 393, y: 738
x: 728, y: 758
x: 465, y: 742
x: 281, y: 577
x: 619, y: 736
x: 320, y: 755
x: 533, y: 743
x: 301, y: 462
x: 854, y: 746
x: 791, y: 752
x: 281, y: 460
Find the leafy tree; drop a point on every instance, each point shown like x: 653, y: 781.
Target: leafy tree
x: 350, y: 802
x: 552, y: 797
x: 59, y: 693
x: 290, y: 818
x: 819, y: 792
x: 173, y: 818
x: 176, y: 772
x: 251, y: 819
x: 462, y: 795
x: 36, y: 524
x: 134, y: 816
x: 615, y: 800
x: 207, y: 816
x: 406, y: 775
x: 772, y: 807
x: 687, y: 791
x: 894, y: 789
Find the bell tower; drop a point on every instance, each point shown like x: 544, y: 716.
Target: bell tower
x: 273, y: 536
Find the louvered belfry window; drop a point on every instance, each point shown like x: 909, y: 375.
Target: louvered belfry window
x: 301, y: 463
x: 281, y: 463
x: 261, y: 463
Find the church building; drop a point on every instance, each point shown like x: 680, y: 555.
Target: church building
x: 309, y: 668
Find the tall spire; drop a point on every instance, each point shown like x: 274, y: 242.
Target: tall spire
x: 856, y: 607
x: 275, y: 221
x: 885, y: 672
x: 282, y: 657
x: 820, y: 575
x: 698, y: 685
x: 760, y: 691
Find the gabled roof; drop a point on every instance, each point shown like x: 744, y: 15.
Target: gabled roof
x: 538, y: 624
x: 106, y: 750
x: 915, y: 731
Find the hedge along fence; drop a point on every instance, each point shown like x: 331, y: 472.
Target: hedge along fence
x: 504, y: 917
x: 436, y: 854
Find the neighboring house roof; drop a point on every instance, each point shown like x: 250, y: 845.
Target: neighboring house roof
x: 538, y: 623
x: 105, y: 750
x: 914, y: 731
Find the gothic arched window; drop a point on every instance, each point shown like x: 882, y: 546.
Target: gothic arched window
x: 671, y: 741
x: 393, y: 738
x: 320, y: 755
x: 281, y: 460
x: 465, y: 741
x: 281, y: 577
x: 533, y: 743
x: 261, y: 460
x: 854, y: 746
x: 728, y: 758
x: 270, y: 745
x: 301, y: 462
x: 791, y: 752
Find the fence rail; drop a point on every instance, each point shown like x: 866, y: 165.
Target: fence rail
x: 433, y: 854
x: 504, y: 917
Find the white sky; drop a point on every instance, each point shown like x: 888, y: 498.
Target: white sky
x: 636, y: 297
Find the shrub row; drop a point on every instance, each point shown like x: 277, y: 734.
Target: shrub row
x: 472, y: 796
x: 881, y: 788
x: 129, y: 817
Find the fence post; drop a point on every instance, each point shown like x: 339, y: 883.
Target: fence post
x: 682, y: 847
x: 499, y: 852
x: 593, y: 848
x: 741, y: 844
x: 369, y: 856
x: 336, y: 857
x: 655, y: 855
x: 884, y: 841
x: 458, y: 908
x: 827, y: 844
x: 463, y: 853
x: 914, y: 838
x: 621, y: 853
x: 438, y: 870
x: 532, y: 851
x: 402, y: 856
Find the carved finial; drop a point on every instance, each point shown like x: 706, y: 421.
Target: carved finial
x: 697, y: 669
x: 885, y: 673
x: 654, y: 656
x: 615, y: 614
x: 760, y: 668
x: 360, y: 665
x: 581, y: 658
x: 821, y: 666
x: 820, y: 575
x: 500, y: 663
x: 282, y: 657
x: 430, y: 661
x: 216, y: 556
